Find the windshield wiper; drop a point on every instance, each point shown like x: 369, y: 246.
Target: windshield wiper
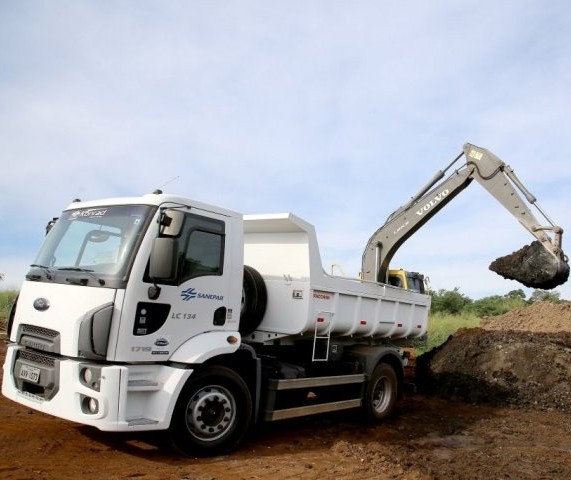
x: 49, y: 274
x: 81, y: 281
x: 74, y: 269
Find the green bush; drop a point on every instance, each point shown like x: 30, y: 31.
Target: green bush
x: 545, y: 296
x: 449, y: 301
x: 496, y: 305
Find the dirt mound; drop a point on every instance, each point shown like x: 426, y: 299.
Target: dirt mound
x: 521, y: 358
x: 538, y: 317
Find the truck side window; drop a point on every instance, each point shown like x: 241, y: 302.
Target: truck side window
x: 203, y: 255
x: 201, y: 244
x: 201, y: 248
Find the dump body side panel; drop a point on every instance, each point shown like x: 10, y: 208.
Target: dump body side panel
x: 303, y: 299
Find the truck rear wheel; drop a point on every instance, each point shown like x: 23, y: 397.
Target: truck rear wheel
x: 254, y: 300
x: 212, y: 414
x: 381, y: 393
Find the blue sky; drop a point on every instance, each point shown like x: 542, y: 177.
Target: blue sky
x: 336, y: 111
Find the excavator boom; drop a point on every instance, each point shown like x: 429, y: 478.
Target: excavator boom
x: 539, y: 265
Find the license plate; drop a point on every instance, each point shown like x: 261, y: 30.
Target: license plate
x: 29, y: 373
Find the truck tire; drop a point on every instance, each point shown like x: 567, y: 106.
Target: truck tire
x: 381, y: 393
x: 254, y: 300
x: 212, y: 413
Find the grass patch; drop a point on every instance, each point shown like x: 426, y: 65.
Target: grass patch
x: 6, y: 299
x: 442, y: 325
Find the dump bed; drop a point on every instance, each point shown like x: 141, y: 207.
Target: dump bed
x: 303, y: 299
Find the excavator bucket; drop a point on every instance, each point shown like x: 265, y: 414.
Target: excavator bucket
x: 533, y: 266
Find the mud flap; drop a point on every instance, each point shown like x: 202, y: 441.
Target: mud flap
x: 532, y: 266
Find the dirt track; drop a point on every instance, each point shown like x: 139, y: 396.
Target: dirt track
x: 429, y: 438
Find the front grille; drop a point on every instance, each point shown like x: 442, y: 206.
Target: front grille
x: 38, y: 331
x: 39, y: 338
x: 46, y: 385
x: 38, y: 358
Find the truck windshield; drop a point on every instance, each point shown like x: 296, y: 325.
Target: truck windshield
x: 95, y: 243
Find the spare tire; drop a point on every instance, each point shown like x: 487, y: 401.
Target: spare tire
x: 254, y: 300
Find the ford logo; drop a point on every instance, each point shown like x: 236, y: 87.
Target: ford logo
x: 161, y: 342
x: 41, y: 304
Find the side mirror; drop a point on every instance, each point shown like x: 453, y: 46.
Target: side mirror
x: 172, y: 222
x: 163, y: 262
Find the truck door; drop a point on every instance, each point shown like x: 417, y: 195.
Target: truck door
x: 196, y: 300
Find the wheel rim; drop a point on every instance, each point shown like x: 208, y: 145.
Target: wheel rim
x: 381, y: 395
x: 211, y: 413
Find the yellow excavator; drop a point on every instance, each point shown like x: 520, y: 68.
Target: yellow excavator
x: 408, y: 280
x: 542, y: 264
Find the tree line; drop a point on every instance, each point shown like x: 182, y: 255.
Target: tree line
x: 455, y: 303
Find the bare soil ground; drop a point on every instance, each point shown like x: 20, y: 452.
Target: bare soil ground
x: 496, y: 405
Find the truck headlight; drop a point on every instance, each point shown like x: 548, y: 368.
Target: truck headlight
x: 89, y: 405
x: 90, y: 376
x: 87, y: 375
x: 93, y: 405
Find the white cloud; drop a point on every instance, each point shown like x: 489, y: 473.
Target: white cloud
x: 337, y: 112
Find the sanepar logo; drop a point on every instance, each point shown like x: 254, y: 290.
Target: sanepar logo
x: 188, y: 294
x: 191, y: 293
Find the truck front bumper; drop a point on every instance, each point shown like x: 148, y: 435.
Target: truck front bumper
x: 106, y: 396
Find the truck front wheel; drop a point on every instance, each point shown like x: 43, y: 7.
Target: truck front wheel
x: 381, y: 393
x: 212, y: 414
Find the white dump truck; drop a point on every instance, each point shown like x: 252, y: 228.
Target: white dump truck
x: 164, y: 313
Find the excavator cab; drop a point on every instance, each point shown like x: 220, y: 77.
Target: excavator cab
x: 408, y: 280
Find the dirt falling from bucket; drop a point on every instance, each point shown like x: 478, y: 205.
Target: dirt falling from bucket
x: 532, y: 266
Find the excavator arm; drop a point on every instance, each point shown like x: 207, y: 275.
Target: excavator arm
x: 539, y: 265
